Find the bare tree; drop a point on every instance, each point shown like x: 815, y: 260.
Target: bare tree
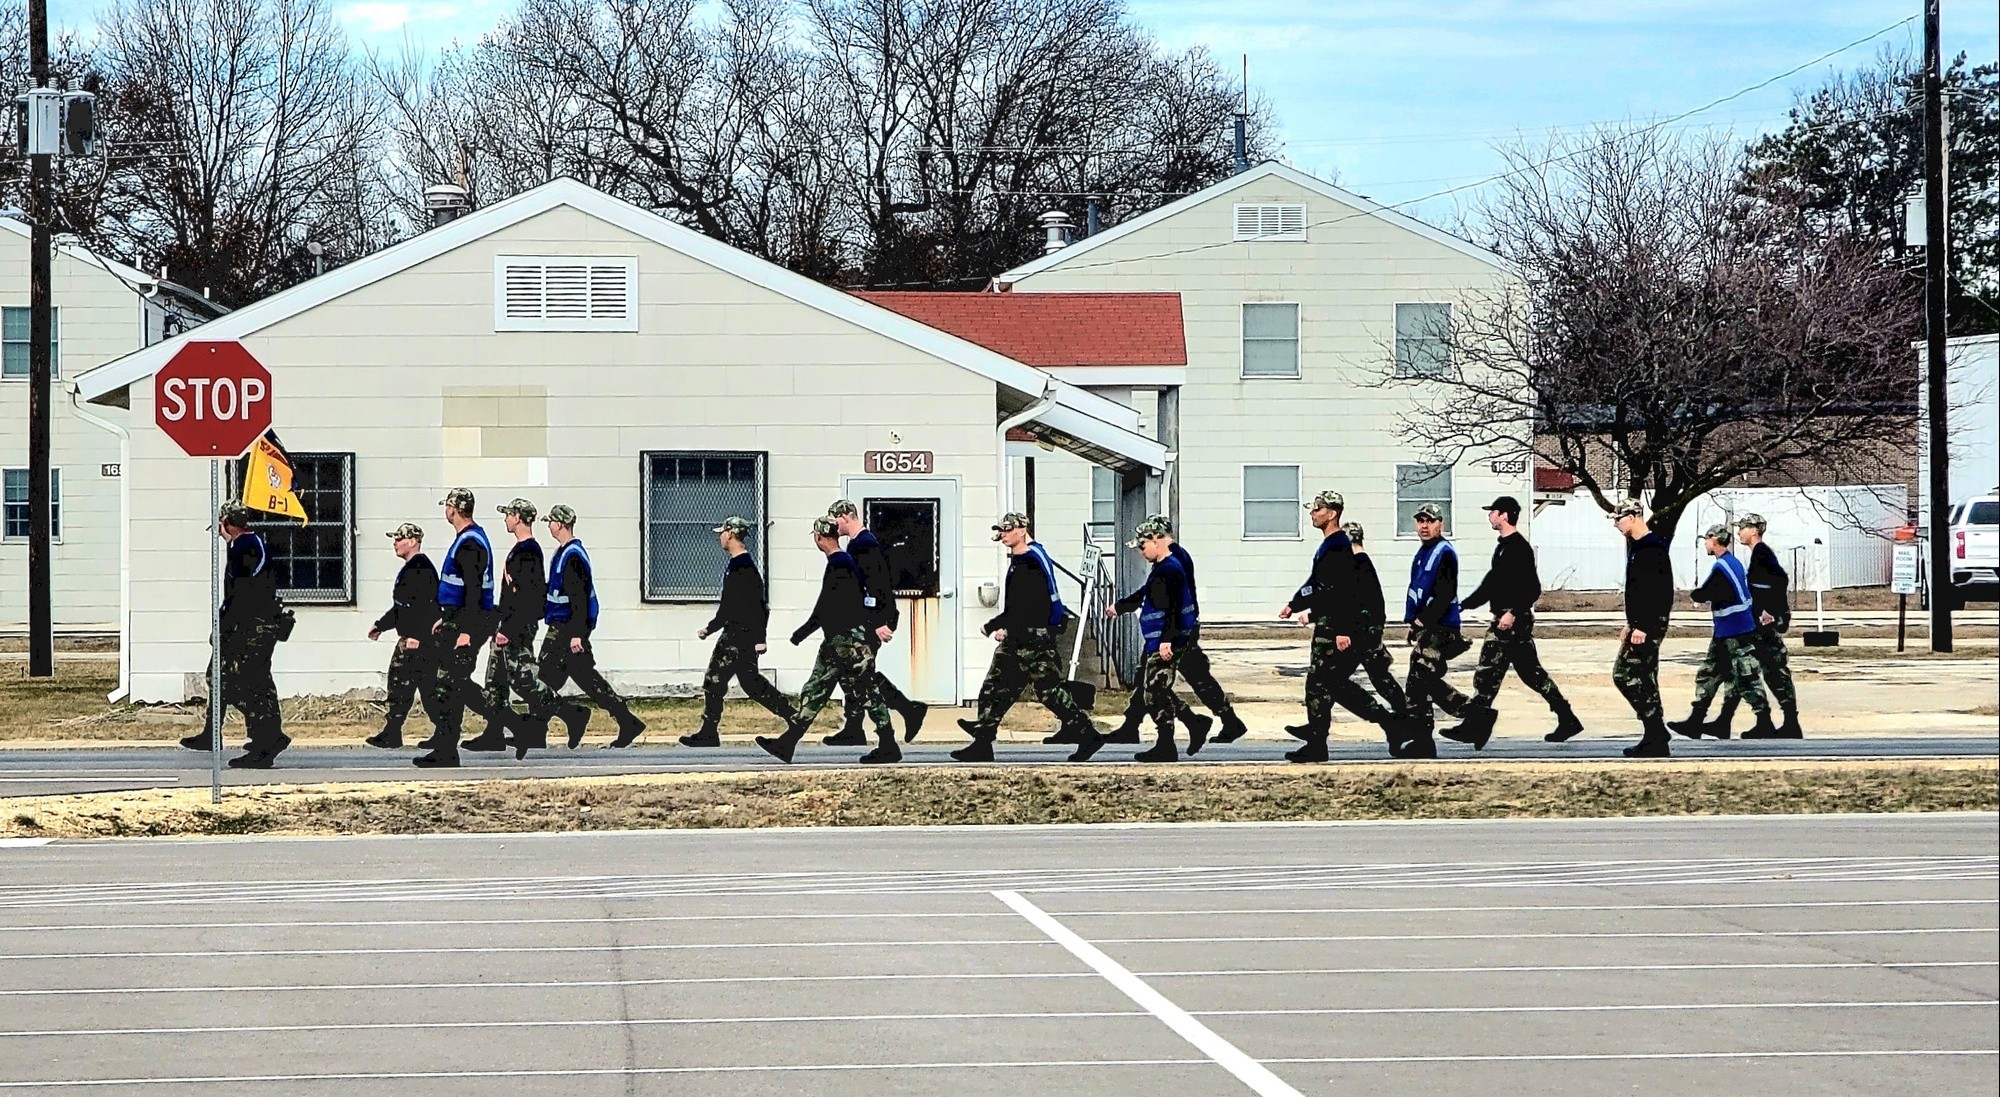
x: 1663, y: 336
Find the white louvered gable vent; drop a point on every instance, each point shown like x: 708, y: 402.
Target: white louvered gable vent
x: 565, y: 293
x: 1271, y: 221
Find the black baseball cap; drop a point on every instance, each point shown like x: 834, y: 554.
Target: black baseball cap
x: 1507, y: 503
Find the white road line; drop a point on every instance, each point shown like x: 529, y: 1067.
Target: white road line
x: 1065, y: 1015
x: 1914, y: 1052
x: 1218, y: 973
x: 1663, y: 934
x: 7, y: 842
x: 1246, y: 1070
x: 641, y: 919
x: 91, y: 779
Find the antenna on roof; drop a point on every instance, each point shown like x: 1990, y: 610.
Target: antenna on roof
x: 1243, y: 122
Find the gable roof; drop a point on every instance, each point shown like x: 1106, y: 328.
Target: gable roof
x: 1055, y: 329
x: 136, y: 280
x: 1269, y: 169
x: 1110, y: 425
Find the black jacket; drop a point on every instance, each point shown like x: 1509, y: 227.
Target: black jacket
x: 1511, y: 583
x: 524, y: 589
x: 1163, y: 588
x: 249, y: 582
x: 413, y: 607
x: 470, y: 618
x: 1369, y: 615
x: 1444, y: 591
x: 839, y: 609
x: 873, y: 561
x: 744, y: 612
x: 1027, y: 602
x: 1770, y: 587
x: 1649, y: 585
x: 1329, y: 591
x: 575, y: 584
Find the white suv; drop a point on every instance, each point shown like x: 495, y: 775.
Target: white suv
x: 1974, y: 549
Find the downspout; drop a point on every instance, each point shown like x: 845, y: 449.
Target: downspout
x: 124, y: 689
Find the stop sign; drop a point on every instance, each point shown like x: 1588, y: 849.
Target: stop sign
x: 213, y: 399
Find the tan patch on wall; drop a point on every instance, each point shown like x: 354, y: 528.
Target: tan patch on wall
x: 496, y: 435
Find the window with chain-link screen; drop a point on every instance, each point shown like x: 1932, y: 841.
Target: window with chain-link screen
x: 684, y: 496
x: 908, y: 530
x: 314, y: 561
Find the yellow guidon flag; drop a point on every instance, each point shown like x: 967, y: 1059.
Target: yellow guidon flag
x: 267, y: 480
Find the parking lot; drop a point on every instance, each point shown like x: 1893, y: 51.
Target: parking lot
x: 1822, y: 955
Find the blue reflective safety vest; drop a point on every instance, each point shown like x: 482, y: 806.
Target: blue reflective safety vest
x: 1058, y: 613
x: 1423, y: 576
x: 1187, y: 565
x: 1153, y: 620
x: 451, y: 585
x: 555, y: 605
x: 1739, y: 619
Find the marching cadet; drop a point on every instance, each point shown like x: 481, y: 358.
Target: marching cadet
x: 1368, y: 601
x: 511, y: 664
x: 413, y: 609
x: 1169, y: 625
x: 252, y: 626
x: 1327, y: 601
x: 1649, y: 603
x: 1731, y: 662
x: 1031, y: 617
x: 741, y: 618
x: 1513, y: 587
x: 465, y: 622
x: 1190, y: 661
x: 846, y: 658
x: 879, y: 599
x: 1431, y: 610
x: 570, y: 611
x: 1770, y: 598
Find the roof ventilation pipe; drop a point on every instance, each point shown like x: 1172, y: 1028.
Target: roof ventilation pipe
x: 445, y: 202
x: 1056, y: 224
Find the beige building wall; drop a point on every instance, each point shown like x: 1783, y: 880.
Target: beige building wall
x: 1336, y: 421
x: 410, y: 375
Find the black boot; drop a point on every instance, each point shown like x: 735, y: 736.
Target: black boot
x: 1087, y: 740
x: 438, y: 758
x: 630, y: 727
x: 200, y: 740
x: 1300, y: 731
x: 1127, y: 730
x: 1312, y: 750
x: 529, y: 733
x: 1163, y: 749
x: 1694, y: 725
x: 1764, y: 729
x: 254, y: 758
x: 885, y: 751
x: 1653, y: 744
x: 575, y: 718
x: 1233, y: 728
x: 1062, y: 736
x: 913, y: 719
x: 1790, y: 729
x: 708, y: 735
x: 389, y: 738
x: 1475, y: 730
x: 1718, y: 728
x: 851, y: 733
x: 1198, y: 726
x: 1567, y: 726
x: 979, y: 750
x: 781, y: 747
x: 493, y: 738
x: 1422, y: 746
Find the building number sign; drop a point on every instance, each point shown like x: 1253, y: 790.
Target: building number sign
x: 898, y: 462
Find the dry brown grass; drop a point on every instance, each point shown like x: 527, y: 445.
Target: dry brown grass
x: 991, y: 795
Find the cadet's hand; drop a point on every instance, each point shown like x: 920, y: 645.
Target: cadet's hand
x: 1410, y: 640
x: 1303, y: 617
x: 762, y: 648
x: 1342, y: 643
x: 1284, y: 613
x: 701, y: 634
x: 576, y: 645
x: 1624, y: 633
x: 499, y: 641
x: 1506, y: 620
x: 464, y: 641
x: 1638, y: 636
x: 999, y: 635
x: 413, y: 643
x: 1765, y: 618
x: 436, y: 625
x: 1166, y: 652
x: 884, y: 633
x: 1111, y: 610
x: 374, y: 634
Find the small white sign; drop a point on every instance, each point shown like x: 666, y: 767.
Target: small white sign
x: 1903, y: 572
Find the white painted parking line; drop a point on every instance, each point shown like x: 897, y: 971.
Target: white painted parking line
x: 9, y: 842
x: 1217, y: 973
x: 1953, y: 1053
x: 1245, y: 1069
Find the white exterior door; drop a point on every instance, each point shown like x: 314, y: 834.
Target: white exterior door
x: 917, y: 520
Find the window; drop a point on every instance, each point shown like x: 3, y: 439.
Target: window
x: 1271, y: 501
x: 1417, y: 485
x: 1270, y: 222
x: 565, y: 293
x: 1103, y: 505
x: 1423, y: 340
x: 909, y: 532
x: 14, y: 509
x: 1270, y: 340
x: 685, y: 496
x: 1986, y: 512
x: 314, y: 562
x: 14, y: 344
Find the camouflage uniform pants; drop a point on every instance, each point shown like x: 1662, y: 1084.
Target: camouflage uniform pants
x: 517, y: 668
x: 737, y: 659
x: 1426, y: 686
x: 409, y: 672
x: 1192, y: 664
x: 1636, y: 673
x: 1381, y: 668
x: 846, y: 660
x: 247, y: 685
x: 1513, y: 648
x: 1732, y: 662
x: 1022, y: 660
x: 1330, y: 680
x: 453, y: 687
x: 1769, y: 645
x: 558, y: 666
x: 1158, y: 676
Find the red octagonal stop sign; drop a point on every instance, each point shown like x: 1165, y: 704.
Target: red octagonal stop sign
x: 213, y: 399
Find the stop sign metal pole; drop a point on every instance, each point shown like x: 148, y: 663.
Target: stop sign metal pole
x: 216, y: 710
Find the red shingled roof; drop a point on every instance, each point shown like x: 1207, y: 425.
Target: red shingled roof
x: 1553, y: 479
x: 1054, y: 329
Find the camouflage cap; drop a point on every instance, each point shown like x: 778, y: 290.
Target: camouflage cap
x: 840, y: 508
x: 233, y: 514
x: 460, y: 500
x: 408, y: 531
x: 1163, y: 521
x: 520, y: 508
x: 1353, y: 531
x: 1429, y: 512
x: 1147, y: 530
x: 561, y: 514
x: 736, y: 524
x: 1013, y: 519
x: 825, y: 527
x: 1721, y: 532
x: 1328, y: 500
x: 1751, y: 520
x: 1630, y: 508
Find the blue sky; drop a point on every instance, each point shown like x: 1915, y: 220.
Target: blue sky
x: 1401, y: 98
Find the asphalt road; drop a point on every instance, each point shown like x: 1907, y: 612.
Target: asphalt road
x: 1823, y: 955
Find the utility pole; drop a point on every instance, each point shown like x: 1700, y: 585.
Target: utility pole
x: 1934, y: 331
x: 41, y: 617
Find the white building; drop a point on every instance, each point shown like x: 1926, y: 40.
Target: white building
x: 1298, y: 299
x: 103, y: 309
x: 570, y: 348
x: 1972, y: 420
